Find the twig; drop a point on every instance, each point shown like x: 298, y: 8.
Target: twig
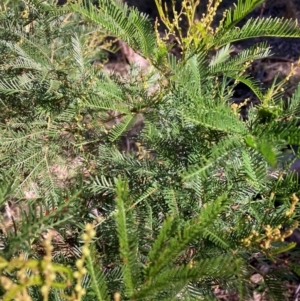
x: 297, y: 292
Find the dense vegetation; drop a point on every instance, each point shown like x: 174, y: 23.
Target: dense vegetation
x: 175, y: 192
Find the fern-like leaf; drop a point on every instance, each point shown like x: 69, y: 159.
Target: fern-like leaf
x: 131, y: 26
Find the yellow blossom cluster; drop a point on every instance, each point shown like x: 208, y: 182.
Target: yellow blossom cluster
x: 81, y: 270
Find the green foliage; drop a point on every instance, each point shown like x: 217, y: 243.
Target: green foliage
x: 190, y: 199
x: 42, y: 83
